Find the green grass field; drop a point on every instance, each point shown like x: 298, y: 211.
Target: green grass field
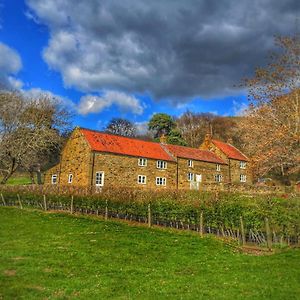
x: 58, y: 256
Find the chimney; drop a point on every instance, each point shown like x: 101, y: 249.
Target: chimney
x: 163, y: 139
x: 206, y: 143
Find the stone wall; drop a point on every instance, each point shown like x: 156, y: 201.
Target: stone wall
x: 120, y: 170
x: 207, y: 171
x: 75, y: 159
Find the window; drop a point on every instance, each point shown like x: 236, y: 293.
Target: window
x: 161, y: 181
x: 218, y: 167
x: 99, y: 178
x: 54, y: 179
x: 70, y: 178
x: 142, y: 179
x: 218, y: 178
x: 190, y: 176
x: 160, y: 164
x: 190, y: 163
x: 243, y: 178
x: 142, y: 162
x: 242, y: 164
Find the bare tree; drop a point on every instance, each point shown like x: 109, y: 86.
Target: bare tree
x: 121, y: 127
x: 29, y: 129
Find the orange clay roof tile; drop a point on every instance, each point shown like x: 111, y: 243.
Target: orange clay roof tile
x: 105, y: 142
x: 230, y: 151
x: 194, y: 153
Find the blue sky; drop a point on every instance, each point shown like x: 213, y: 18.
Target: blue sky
x: 106, y: 59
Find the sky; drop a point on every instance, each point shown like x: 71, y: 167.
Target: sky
x: 132, y: 58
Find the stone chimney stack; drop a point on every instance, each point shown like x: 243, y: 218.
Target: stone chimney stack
x: 163, y: 139
x: 206, y: 143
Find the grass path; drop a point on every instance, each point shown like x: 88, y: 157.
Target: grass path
x: 57, y: 256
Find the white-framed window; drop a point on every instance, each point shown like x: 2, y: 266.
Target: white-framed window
x: 161, y: 164
x: 242, y: 165
x: 218, y: 178
x: 190, y: 176
x: 54, y: 179
x: 190, y: 163
x: 142, y: 162
x: 218, y: 167
x: 142, y: 179
x: 243, y: 178
x: 70, y: 178
x: 99, y: 179
x: 161, y: 181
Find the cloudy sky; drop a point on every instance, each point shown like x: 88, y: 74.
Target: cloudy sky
x: 132, y: 58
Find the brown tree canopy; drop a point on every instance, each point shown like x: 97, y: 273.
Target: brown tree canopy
x: 194, y: 127
x: 271, y: 129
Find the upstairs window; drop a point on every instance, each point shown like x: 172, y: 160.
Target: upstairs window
x: 99, y: 180
x: 70, y: 178
x: 190, y: 163
x: 161, y: 164
x: 218, y: 178
x: 190, y: 176
x: 142, y: 162
x: 161, y: 181
x: 243, y: 178
x: 54, y: 179
x: 142, y: 179
x: 242, y: 165
x: 218, y: 167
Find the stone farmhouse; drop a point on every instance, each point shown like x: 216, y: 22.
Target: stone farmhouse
x: 96, y: 159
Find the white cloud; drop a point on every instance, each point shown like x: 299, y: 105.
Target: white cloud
x: 10, y: 65
x: 142, y: 127
x: 125, y: 103
x: 239, y: 108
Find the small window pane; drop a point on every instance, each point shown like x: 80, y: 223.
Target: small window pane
x: 54, y: 179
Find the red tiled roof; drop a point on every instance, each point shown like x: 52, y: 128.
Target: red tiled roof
x: 104, y: 142
x: 230, y: 151
x: 193, y: 153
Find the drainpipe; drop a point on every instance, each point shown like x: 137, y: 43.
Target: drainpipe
x: 229, y: 170
x: 93, y: 164
x: 177, y: 176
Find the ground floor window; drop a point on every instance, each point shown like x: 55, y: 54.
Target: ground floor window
x: 142, y: 179
x: 190, y: 176
x: 218, y: 178
x: 70, y: 178
x: 99, y: 178
x: 243, y: 178
x: 161, y: 181
x: 54, y: 179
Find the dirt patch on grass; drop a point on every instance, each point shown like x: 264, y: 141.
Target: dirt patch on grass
x: 18, y: 258
x: 47, y: 270
x: 255, y: 251
x: 10, y: 272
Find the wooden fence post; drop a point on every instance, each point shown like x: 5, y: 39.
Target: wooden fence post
x: 20, y: 202
x: 72, y: 205
x: 242, y: 231
x: 45, y: 203
x: 106, y: 210
x: 149, y: 215
x: 2, y: 197
x: 268, y: 233
x: 201, y: 224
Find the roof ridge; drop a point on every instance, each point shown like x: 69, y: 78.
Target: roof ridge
x: 118, y: 135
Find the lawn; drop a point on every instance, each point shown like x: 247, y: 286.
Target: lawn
x: 59, y: 256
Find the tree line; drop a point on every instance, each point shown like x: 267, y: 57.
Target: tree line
x: 32, y: 131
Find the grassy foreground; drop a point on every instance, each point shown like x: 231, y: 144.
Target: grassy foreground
x: 57, y: 256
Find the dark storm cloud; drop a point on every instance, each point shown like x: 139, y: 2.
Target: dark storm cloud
x: 172, y: 49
